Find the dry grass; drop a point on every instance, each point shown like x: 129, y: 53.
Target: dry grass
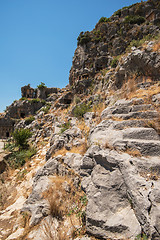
x: 129, y: 88
x: 62, y: 152
x: 3, y: 195
x: 49, y: 231
x: 65, y: 205
x: 151, y: 175
x: 83, y: 127
x: 133, y: 152
x: 117, y: 119
x: 147, y: 93
x: 156, y: 47
x: 97, y: 109
x: 81, y: 149
x: 108, y: 145
x: 154, y: 124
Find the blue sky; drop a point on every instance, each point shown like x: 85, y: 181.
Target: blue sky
x: 39, y: 37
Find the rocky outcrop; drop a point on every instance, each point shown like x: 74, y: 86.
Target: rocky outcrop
x: 127, y: 128
x: 110, y: 38
x: 122, y: 195
x: 122, y: 192
x: 140, y: 62
x: 104, y: 168
x: 70, y: 136
x: 23, y: 108
x: 40, y: 92
x: 35, y: 204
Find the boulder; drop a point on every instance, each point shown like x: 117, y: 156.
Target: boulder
x: 121, y: 202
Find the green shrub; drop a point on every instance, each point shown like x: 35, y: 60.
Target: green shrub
x: 23, y: 98
x: 9, y: 146
x: 18, y: 159
x: 34, y: 100
x: 65, y: 126
x: 134, y: 19
x: 83, y: 38
x: 29, y: 120
x: 141, y: 237
x: 80, y: 110
x: 104, y: 19
x: 45, y: 109
x: 41, y: 85
x: 43, y: 102
x: 140, y: 42
x: 21, y: 137
x: 97, y: 37
x: 114, y: 62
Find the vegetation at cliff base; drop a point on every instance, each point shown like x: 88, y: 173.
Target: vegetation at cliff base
x: 20, y: 150
x: 20, y: 137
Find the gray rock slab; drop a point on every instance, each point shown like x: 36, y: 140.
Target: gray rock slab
x: 141, y: 133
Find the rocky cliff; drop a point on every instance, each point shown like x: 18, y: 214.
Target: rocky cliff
x: 96, y: 172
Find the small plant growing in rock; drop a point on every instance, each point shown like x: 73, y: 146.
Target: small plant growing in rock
x: 23, y: 98
x: 29, y: 120
x: 83, y: 38
x: 45, y: 109
x: 80, y: 110
x: 114, y: 62
x: 20, y: 151
x: 41, y: 85
x: 104, y: 19
x: 76, y: 99
x: 34, y: 100
x: 142, y: 236
x: 18, y: 159
x: 65, y: 126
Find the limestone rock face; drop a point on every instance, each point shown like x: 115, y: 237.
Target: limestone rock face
x: 103, y: 166
x: 120, y: 205
x: 145, y: 62
x: 59, y: 141
x: 36, y: 204
x: 21, y: 109
x: 96, y: 49
x: 128, y: 133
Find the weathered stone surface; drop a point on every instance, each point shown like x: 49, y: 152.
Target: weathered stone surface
x: 156, y: 98
x: 60, y: 140
x: 145, y: 62
x: 23, y: 108
x: 141, y: 133
x: 88, y: 118
x: 66, y: 98
x: 118, y: 195
x: 73, y: 160
x: 108, y: 203
x: 36, y: 204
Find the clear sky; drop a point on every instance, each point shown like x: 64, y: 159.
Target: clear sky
x: 39, y: 37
